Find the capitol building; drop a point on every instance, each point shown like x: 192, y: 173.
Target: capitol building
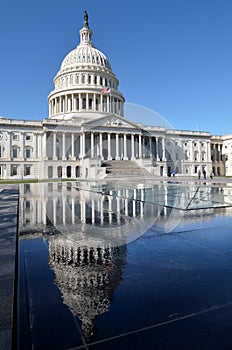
x: 86, y: 134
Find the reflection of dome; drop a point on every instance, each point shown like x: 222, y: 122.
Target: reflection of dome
x: 86, y: 277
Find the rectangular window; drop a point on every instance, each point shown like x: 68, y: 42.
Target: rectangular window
x: 195, y: 169
x: 28, y: 153
x: 15, y: 152
x: 15, y: 136
x: 28, y: 137
x: 27, y: 170
x: 0, y: 151
x: 14, y: 170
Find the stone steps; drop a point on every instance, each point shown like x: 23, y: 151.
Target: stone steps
x: 122, y: 167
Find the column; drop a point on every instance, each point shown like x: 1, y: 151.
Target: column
x: 208, y: 152
x: 54, y: 147
x: 94, y: 102
x: 132, y: 146
x: 157, y: 149
x: 140, y: 147
x: 108, y: 104
x: 143, y: 149
x: 150, y: 147
x: 44, y: 146
x: 100, y: 145
x: 101, y: 103
x: 163, y: 149
x: 87, y: 102
x: 65, y: 103
x: 109, y: 146
x: 80, y: 101
x: 50, y: 109
x: 92, y: 144
x: 117, y: 148
x: 63, y: 147
x: 83, y: 146
x: 73, y: 105
x: 72, y: 146
x: 125, y: 148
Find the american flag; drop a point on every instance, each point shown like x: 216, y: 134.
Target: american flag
x: 106, y: 91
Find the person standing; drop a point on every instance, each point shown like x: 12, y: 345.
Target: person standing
x: 199, y: 174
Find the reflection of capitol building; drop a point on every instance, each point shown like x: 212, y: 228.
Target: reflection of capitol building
x: 93, y: 213
x: 101, y: 214
x: 86, y: 127
x: 88, y: 229
x: 86, y: 277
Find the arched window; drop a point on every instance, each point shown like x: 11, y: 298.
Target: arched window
x: 195, y: 155
x: 77, y: 171
x: 69, y: 171
x: 59, y: 172
x: 50, y: 172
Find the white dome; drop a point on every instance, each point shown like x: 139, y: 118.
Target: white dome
x: 86, y: 55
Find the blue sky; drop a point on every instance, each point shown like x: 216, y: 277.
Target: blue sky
x: 171, y: 56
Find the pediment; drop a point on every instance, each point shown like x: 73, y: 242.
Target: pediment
x: 112, y: 121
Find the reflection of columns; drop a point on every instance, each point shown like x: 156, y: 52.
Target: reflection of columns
x: 125, y: 149
x: 118, y: 209
x: 140, y: 147
x: 44, y: 212
x: 134, y: 208
x: 126, y: 202
x: 73, y: 211
x: 64, y: 210
x: 54, y: 211
x: 117, y: 148
x: 110, y: 209
x: 82, y: 211
x: 54, y: 146
x: 92, y: 145
x: 132, y: 146
x: 109, y: 146
x: 63, y: 147
x: 102, y: 210
x: 93, y: 212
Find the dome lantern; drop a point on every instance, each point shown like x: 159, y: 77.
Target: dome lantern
x: 86, y: 32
